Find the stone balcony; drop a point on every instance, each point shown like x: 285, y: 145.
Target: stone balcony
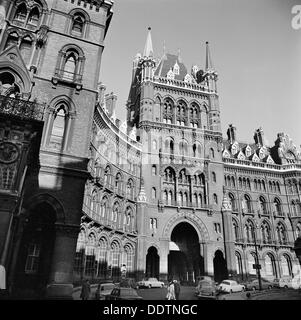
x: 22, y: 109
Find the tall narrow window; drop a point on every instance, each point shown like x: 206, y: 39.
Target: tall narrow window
x: 58, y: 128
x: 154, y: 170
x: 21, y: 12
x: 78, y: 24
x: 34, y: 17
x: 154, y: 194
x: 33, y: 258
x: 70, y: 66
x: 238, y: 263
x: 26, y: 49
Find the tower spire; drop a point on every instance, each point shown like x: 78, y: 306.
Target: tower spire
x: 148, y: 49
x: 209, y: 64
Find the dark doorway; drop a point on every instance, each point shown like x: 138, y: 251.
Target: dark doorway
x: 152, y: 263
x: 35, y: 255
x: 220, y: 267
x: 184, y: 261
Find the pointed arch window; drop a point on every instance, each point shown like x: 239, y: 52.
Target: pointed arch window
x: 154, y: 194
x: 78, y: 24
x: 249, y: 231
x: 286, y: 265
x: 70, y: 65
x: 266, y: 235
x: 262, y: 205
x: 236, y: 230
x: 233, y: 202
x: 34, y: 17
x: 281, y: 233
x: 251, y: 261
x: 58, y: 130
x: 277, y: 207
x: 102, y: 261
x: 246, y: 204
x: 270, y: 266
x: 238, y: 263
x: 21, y: 12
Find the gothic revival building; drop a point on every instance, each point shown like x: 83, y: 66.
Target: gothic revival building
x: 82, y: 193
x: 49, y: 70
x: 169, y: 197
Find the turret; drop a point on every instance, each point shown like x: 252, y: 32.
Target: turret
x: 210, y: 73
x: 147, y: 66
x: 110, y: 101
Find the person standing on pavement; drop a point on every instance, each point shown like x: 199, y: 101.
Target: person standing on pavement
x: 177, y: 289
x: 86, y: 290
x: 171, y: 291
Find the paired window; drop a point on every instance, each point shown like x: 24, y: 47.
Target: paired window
x: 27, y: 17
x: 24, y: 43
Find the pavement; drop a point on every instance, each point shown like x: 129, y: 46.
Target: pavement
x: 187, y: 293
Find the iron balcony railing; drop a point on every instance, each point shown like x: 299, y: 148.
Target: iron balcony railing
x: 21, y: 108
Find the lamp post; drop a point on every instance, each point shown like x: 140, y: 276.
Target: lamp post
x: 257, y: 266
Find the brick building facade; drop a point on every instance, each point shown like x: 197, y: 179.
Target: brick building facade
x: 163, y: 193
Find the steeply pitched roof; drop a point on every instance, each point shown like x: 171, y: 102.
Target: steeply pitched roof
x: 166, y: 63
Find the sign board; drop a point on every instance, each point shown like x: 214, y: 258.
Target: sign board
x: 257, y: 266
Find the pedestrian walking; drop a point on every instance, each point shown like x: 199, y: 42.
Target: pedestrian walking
x: 97, y: 292
x: 86, y: 290
x: 171, y: 291
x: 177, y: 289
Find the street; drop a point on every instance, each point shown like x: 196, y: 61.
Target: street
x: 187, y: 293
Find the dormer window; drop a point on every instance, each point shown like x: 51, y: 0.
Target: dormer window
x: 248, y: 151
x: 188, y: 78
x: 176, y: 69
x: 170, y: 75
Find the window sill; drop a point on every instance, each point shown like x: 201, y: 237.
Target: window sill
x: 57, y: 79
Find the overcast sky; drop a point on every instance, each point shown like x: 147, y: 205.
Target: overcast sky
x: 254, y: 48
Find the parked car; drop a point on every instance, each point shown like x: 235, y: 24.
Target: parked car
x: 104, y: 289
x: 129, y: 283
x: 123, y: 293
x: 151, y: 283
x: 254, y: 285
x: 230, y: 286
x: 283, y: 283
x: 205, y: 288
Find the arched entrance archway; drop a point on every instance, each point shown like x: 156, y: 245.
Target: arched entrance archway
x: 35, y: 253
x: 184, y: 260
x: 152, y: 263
x: 220, y: 266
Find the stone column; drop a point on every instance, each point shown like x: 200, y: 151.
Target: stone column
x: 61, y: 276
x: 208, y: 259
x: 141, y: 229
x: 228, y: 235
x: 164, y: 251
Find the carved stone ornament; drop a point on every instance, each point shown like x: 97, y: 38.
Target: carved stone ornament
x: 226, y: 204
x: 9, y: 152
